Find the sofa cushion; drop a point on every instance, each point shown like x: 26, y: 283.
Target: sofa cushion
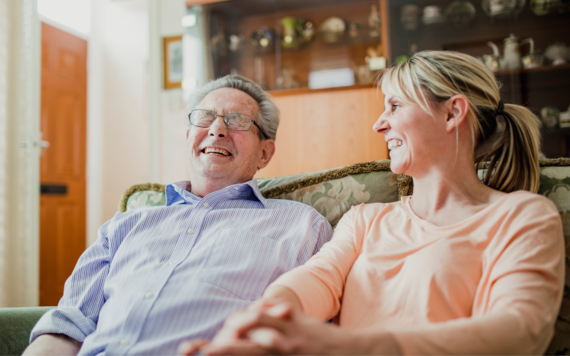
x: 15, y: 327
x: 334, y: 191
x: 331, y: 192
x: 141, y: 195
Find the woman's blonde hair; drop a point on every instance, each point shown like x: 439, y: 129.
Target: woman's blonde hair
x: 510, y: 144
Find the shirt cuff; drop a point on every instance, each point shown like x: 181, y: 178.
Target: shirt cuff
x: 69, y: 321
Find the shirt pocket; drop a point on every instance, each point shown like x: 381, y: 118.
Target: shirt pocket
x: 242, y: 263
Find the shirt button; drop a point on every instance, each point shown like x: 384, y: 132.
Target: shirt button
x: 171, y: 263
x: 148, y: 295
x: 190, y: 231
x: 206, y: 205
x: 124, y: 342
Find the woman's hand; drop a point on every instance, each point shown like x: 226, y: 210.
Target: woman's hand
x: 283, y: 330
x: 242, y: 320
x: 280, y: 329
x: 230, y: 333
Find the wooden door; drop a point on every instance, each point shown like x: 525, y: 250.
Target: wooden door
x: 62, y: 164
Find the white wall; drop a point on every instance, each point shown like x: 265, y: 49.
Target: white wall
x: 118, y: 120
x: 136, y: 129
x: 72, y: 16
x: 173, y: 120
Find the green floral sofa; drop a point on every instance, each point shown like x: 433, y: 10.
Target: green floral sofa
x: 332, y: 193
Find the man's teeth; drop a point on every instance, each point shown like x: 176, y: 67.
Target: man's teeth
x: 394, y: 143
x: 216, y: 150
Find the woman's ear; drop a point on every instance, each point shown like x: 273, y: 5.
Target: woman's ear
x: 456, y: 109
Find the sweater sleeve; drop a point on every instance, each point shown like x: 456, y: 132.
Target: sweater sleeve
x: 320, y: 282
x: 518, y: 297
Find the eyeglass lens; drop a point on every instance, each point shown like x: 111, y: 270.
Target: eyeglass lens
x: 234, y: 121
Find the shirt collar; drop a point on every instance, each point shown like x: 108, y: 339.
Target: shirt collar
x: 179, y: 192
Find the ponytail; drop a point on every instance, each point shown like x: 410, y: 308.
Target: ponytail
x: 513, y: 157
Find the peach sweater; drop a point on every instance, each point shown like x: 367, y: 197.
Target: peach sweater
x: 490, y: 284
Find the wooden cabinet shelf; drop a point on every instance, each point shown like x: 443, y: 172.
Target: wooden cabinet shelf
x: 506, y: 72
x: 309, y: 91
x: 314, y: 45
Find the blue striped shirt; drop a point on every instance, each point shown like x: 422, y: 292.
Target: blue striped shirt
x: 158, y: 276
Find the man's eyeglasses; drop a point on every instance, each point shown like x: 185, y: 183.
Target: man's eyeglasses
x: 233, y: 120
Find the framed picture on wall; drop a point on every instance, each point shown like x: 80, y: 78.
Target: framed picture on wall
x: 172, y: 62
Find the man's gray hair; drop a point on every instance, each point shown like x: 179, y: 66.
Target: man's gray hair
x: 268, y: 114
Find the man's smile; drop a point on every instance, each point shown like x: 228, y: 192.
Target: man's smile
x: 216, y: 151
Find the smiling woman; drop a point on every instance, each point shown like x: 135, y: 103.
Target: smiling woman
x: 457, y: 262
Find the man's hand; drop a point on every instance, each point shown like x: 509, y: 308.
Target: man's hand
x: 53, y: 344
x: 229, y: 333
x: 281, y: 329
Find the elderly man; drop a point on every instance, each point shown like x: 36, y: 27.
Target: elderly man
x: 158, y: 276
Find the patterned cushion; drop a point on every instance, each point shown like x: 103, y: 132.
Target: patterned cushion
x: 333, y: 192
x: 555, y: 185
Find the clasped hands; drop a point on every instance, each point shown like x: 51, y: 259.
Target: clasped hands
x: 268, y: 328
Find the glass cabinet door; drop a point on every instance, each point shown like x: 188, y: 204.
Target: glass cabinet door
x: 294, y: 44
x: 525, y: 42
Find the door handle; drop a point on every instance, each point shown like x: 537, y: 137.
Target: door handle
x: 29, y: 144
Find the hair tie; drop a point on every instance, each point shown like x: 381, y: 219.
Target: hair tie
x: 501, y: 108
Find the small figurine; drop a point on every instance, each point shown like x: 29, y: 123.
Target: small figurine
x: 363, y: 74
x: 549, y: 115
x: 309, y: 30
x: 263, y: 37
x: 235, y: 42
x: 353, y: 29
x: 375, y: 59
x: 374, y: 22
x: 286, y: 81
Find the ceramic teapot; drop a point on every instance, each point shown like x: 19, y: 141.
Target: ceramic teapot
x: 492, y: 61
x: 534, y: 58
x: 511, y: 54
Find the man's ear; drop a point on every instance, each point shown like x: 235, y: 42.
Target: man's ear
x: 456, y: 109
x: 267, y: 152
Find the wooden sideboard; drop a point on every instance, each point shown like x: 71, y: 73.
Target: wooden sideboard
x: 322, y: 129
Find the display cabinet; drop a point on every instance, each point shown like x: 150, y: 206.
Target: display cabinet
x: 317, y: 58
x: 292, y: 44
x: 529, y: 59
x: 320, y: 58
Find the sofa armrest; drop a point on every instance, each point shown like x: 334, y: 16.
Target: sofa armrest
x: 16, y: 325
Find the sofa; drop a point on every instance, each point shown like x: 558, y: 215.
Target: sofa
x: 332, y: 193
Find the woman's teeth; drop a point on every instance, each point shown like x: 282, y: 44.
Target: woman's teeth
x: 394, y: 143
